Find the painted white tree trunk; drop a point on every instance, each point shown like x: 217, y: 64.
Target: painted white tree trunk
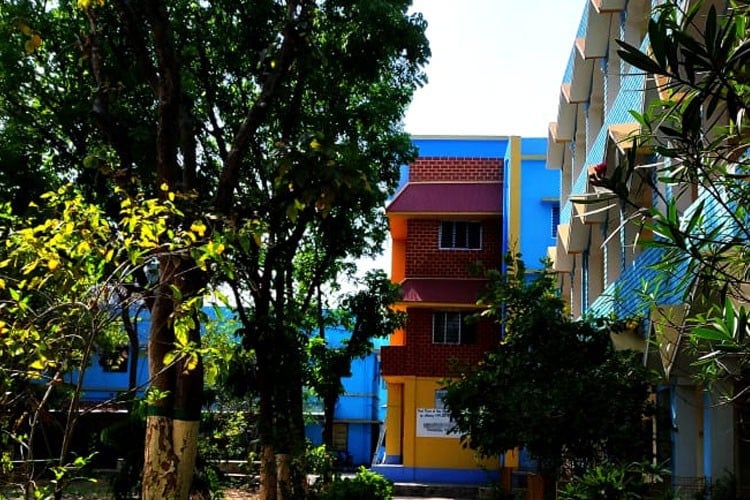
x: 171, y: 450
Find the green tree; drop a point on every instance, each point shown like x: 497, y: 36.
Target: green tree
x: 553, y: 386
x: 61, y: 299
x: 697, y: 128
x: 271, y: 125
x: 367, y: 314
x: 56, y: 307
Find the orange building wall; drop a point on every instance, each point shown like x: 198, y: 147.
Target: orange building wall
x: 398, y: 261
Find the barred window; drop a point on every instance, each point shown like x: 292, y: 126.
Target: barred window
x: 460, y: 235
x: 452, y: 328
x: 555, y: 219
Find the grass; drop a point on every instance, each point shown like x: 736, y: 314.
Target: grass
x: 101, y: 490
x: 75, y: 490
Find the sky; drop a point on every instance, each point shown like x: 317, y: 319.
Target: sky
x: 496, y: 66
x: 496, y: 69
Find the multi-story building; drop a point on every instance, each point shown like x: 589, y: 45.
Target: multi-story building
x: 461, y: 207
x: 601, y: 266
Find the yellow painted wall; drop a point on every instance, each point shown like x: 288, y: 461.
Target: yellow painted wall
x: 393, y: 418
x: 419, y: 392
x: 514, y: 194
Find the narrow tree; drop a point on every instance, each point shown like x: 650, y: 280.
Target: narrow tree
x: 368, y: 315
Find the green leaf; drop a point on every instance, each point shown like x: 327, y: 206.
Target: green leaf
x: 710, y: 334
x: 176, y: 292
x: 638, y: 59
x: 170, y: 358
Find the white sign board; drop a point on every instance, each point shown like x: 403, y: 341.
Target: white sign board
x: 434, y: 422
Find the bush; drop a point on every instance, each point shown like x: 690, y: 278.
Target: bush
x: 319, y: 461
x: 365, y: 485
x: 615, y: 482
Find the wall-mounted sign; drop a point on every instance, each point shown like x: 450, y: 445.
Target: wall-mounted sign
x: 434, y: 422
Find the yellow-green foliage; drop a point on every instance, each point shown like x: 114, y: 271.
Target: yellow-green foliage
x: 65, y: 275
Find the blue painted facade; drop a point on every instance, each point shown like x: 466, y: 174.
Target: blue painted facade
x: 538, y: 190
x: 101, y: 384
x: 601, y: 271
x: 360, y: 410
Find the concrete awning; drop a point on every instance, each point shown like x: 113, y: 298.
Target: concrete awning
x: 443, y: 292
x: 469, y: 198
x: 608, y: 5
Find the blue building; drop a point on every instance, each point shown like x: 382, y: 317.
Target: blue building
x: 360, y: 411
x: 602, y: 269
x: 532, y: 200
x: 108, y: 377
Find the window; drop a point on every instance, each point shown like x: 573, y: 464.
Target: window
x: 452, y: 328
x: 340, y: 437
x: 555, y: 219
x: 461, y: 234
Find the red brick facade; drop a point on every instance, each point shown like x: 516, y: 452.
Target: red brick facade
x: 425, y: 258
x: 456, y: 170
x: 421, y: 358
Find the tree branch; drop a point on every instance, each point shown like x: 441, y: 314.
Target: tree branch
x: 296, y: 10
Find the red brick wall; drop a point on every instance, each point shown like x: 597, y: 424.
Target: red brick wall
x: 421, y: 358
x: 456, y: 170
x: 424, y: 258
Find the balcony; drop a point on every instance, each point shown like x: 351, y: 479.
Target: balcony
x: 592, y: 208
x: 608, y: 5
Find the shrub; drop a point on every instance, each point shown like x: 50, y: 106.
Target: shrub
x: 615, y: 482
x: 365, y: 485
x: 319, y: 461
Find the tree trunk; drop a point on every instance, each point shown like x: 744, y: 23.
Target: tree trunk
x: 329, y: 409
x: 284, y: 486
x: 171, y: 450
x: 131, y: 328
x: 281, y: 424
x: 268, y: 473
x: 292, y: 478
x: 172, y: 422
x: 266, y: 424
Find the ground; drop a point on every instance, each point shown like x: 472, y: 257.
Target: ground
x: 240, y: 494
x: 100, y: 491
